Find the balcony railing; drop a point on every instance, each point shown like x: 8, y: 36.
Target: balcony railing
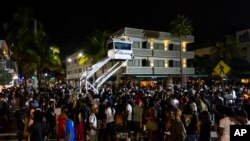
x: 6, y: 64
x: 142, y: 52
x: 162, y: 53
x: 158, y: 70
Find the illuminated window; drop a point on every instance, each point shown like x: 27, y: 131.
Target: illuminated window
x: 151, y: 45
x: 166, y: 64
x: 166, y: 42
x: 184, y: 46
x: 184, y: 63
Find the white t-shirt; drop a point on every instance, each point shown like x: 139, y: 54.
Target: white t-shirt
x: 109, y: 114
x: 225, y: 124
x: 57, y: 112
x: 92, y: 119
x: 193, y: 106
x: 175, y: 102
x: 129, y: 110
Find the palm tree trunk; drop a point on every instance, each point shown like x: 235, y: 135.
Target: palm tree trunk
x: 39, y: 77
x: 25, y: 81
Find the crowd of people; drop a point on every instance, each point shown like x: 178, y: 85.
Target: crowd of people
x: 121, y: 112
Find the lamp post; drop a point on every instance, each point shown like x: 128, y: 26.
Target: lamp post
x: 80, y: 55
x: 69, y: 60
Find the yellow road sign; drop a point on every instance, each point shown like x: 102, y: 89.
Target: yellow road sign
x: 222, y: 69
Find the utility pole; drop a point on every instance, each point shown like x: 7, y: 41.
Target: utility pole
x: 35, y: 73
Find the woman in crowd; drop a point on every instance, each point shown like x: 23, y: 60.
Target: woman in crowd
x: 204, y: 127
x: 37, y: 128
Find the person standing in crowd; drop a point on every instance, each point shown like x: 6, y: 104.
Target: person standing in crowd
x: 175, y: 130
x: 61, y: 123
x: 151, y: 124
x: 50, y: 120
x: 137, y: 118
x: 204, y: 127
x: 128, y: 113
x: 109, y: 131
x: 37, y: 128
x: 224, y: 124
x: 69, y: 128
x: 78, y: 121
x: 190, y: 123
x: 93, y: 135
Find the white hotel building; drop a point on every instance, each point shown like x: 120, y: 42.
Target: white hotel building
x: 156, y: 57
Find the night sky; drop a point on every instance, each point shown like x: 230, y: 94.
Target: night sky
x: 68, y: 22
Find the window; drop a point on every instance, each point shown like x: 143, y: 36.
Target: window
x: 145, y: 45
x: 159, y: 46
x: 174, y: 47
x: 159, y: 63
x: 68, y: 72
x: 244, y: 37
x: 170, y: 46
x: 123, y: 45
x: 136, y: 44
x: 145, y: 63
x: 174, y: 63
x: 80, y: 70
x: 75, y: 61
x: 134, y: 62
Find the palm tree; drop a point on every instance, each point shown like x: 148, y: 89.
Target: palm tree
x: 181, y: 27
x: 226, y: 49
x: 30, y: 45
x: 97, y: 48
x: 21, y: 40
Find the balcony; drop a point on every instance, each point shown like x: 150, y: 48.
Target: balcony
x: 142, y: 52
x: 162, y: 53
x: 173, y: 70
x: 139, y: 70
x: 158, y: 70
x: 7, y: 65
x: 172, y: 54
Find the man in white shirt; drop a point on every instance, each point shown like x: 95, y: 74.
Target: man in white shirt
x: 109, y: 130
x: 93, y: 135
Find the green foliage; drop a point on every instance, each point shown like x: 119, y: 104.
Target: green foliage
x: 226, y: 49
x: 97, y: 48
x: 203, y: 65
x: 181, y: 26
x: 5, y: 77
x: 30, y: 44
